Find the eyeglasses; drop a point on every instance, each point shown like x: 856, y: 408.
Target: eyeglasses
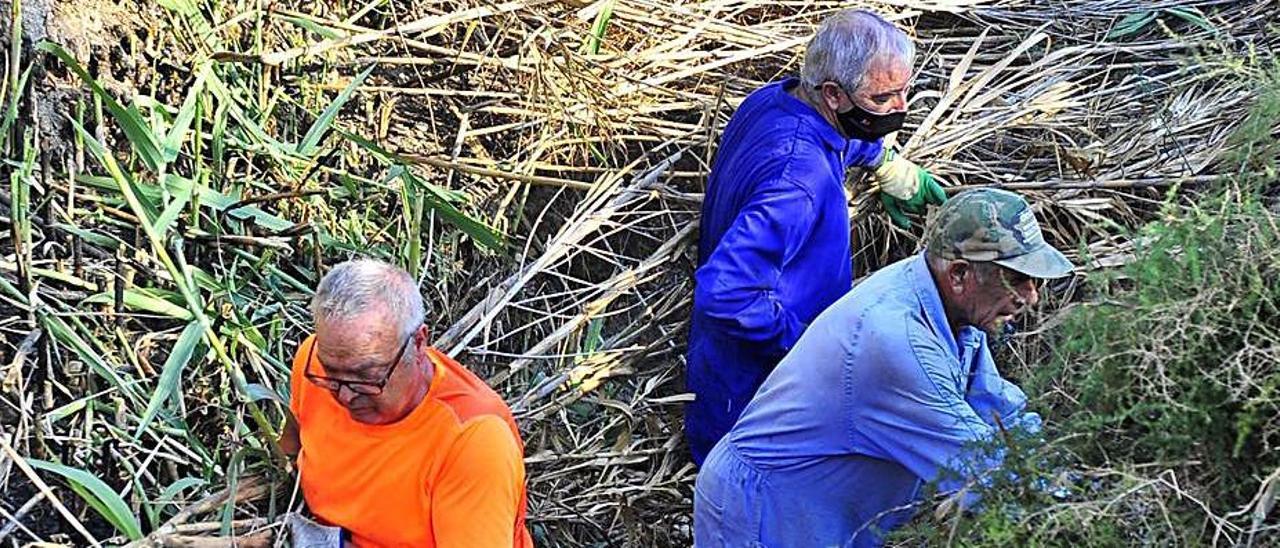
x: 1011, y: 280
x: 364, y: 388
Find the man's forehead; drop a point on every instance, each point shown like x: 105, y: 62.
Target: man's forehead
x: 344, y: 360
x: 352, y: 342
x: 886, y: 75
x: 374, y: 321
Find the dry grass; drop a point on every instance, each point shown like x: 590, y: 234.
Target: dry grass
x: 588, y: 164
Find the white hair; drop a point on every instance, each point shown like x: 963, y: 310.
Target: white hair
x: 847, y: 43
x: 355, y: 286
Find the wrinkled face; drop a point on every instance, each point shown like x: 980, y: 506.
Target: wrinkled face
x: 361, y: 352
x: 990, y: 295
x: 883, y: 90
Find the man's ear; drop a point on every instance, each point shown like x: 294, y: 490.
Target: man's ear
x: 957, y: 270
x: 832, y: 95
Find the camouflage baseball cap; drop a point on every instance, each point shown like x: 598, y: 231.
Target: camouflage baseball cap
x: 994, y: 225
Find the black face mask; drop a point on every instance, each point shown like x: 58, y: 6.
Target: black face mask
x: 858, y: 123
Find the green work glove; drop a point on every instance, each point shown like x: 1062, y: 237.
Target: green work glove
x: 905, y: 187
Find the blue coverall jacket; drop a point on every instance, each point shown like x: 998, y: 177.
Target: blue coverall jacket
x: 773, y: 250
x: 878, y: 396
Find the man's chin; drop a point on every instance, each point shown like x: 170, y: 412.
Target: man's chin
x: 994, y: 328
x: 366, y: 415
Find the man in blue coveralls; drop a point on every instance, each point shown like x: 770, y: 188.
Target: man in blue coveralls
x: 888, y: 388
x: 774, y: 247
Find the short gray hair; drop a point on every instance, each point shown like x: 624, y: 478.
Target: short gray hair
x: 847, y: 43
x: 353, y: 287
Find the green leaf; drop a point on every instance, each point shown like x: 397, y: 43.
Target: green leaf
x: 170, y: 493
x: 178, y: 358
x: 12, y: 291
x: 321, y: 126
x: 63, y: 276
x: 178, y: 131
x: 1132, y: 24
x: 208, y: 198
x: 598, y: 28
x: 145, y: 209
x: 1194, y: 16
x: 61, y: 332
x: 437, y: 198
x: 15, y: 87
x: 219, y: 201
x: 135, y: 128
x: 11, y: 113
x: 218, y: 140
x: 383, y: 154
x: 594, y: 340
x: 244, y: 122
x: 65, y: 411
x: 97, y: 494
x: 322, y: 30
x: 105, y: 241
x: 207, y: 282
x: 438, y: 201
x: 414, y: 212
x: 182, y: 7
x: 174, y: 209
x: 143, y: 299
x: 258, y: 392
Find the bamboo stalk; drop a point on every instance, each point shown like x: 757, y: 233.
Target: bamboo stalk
x: 484, y: 172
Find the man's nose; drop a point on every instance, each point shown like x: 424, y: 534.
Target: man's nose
x: 1030, y: 292
x: 899, y: 103
x: 346, y: 395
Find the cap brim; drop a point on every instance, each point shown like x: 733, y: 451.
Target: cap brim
x: 1044, y: 263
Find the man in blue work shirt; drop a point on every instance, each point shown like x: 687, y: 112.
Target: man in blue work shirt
x: 774, y: 247
x: 888, y: 388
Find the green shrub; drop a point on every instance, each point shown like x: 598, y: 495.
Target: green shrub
x: 1162, y: 394
x: 1179, y: 362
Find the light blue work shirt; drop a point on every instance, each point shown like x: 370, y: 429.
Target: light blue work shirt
x: 877, y: 397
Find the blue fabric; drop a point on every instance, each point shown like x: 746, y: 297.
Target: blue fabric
x: 876, y: 397
x: 773, y: 250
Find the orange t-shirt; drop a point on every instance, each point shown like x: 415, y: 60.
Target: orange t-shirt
x: 449, y: 474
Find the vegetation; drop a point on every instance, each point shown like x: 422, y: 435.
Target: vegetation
x: 1161, y: 390
x: 176, y: 176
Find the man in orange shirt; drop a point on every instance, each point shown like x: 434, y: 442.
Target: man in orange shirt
x: 397, y: 444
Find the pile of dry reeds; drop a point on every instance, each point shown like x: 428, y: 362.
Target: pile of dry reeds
x: 179, y: 186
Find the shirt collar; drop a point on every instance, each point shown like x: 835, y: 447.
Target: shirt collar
x: 931, y: 302
x: 828, y: 133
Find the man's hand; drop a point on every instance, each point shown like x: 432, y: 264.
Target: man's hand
x: 905, y: 186
x: 290, y: 441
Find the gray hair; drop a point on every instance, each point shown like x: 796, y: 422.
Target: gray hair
x: 353, y: 287
x: 847, y: 43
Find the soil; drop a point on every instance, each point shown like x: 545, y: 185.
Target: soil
x: 91, y: 30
